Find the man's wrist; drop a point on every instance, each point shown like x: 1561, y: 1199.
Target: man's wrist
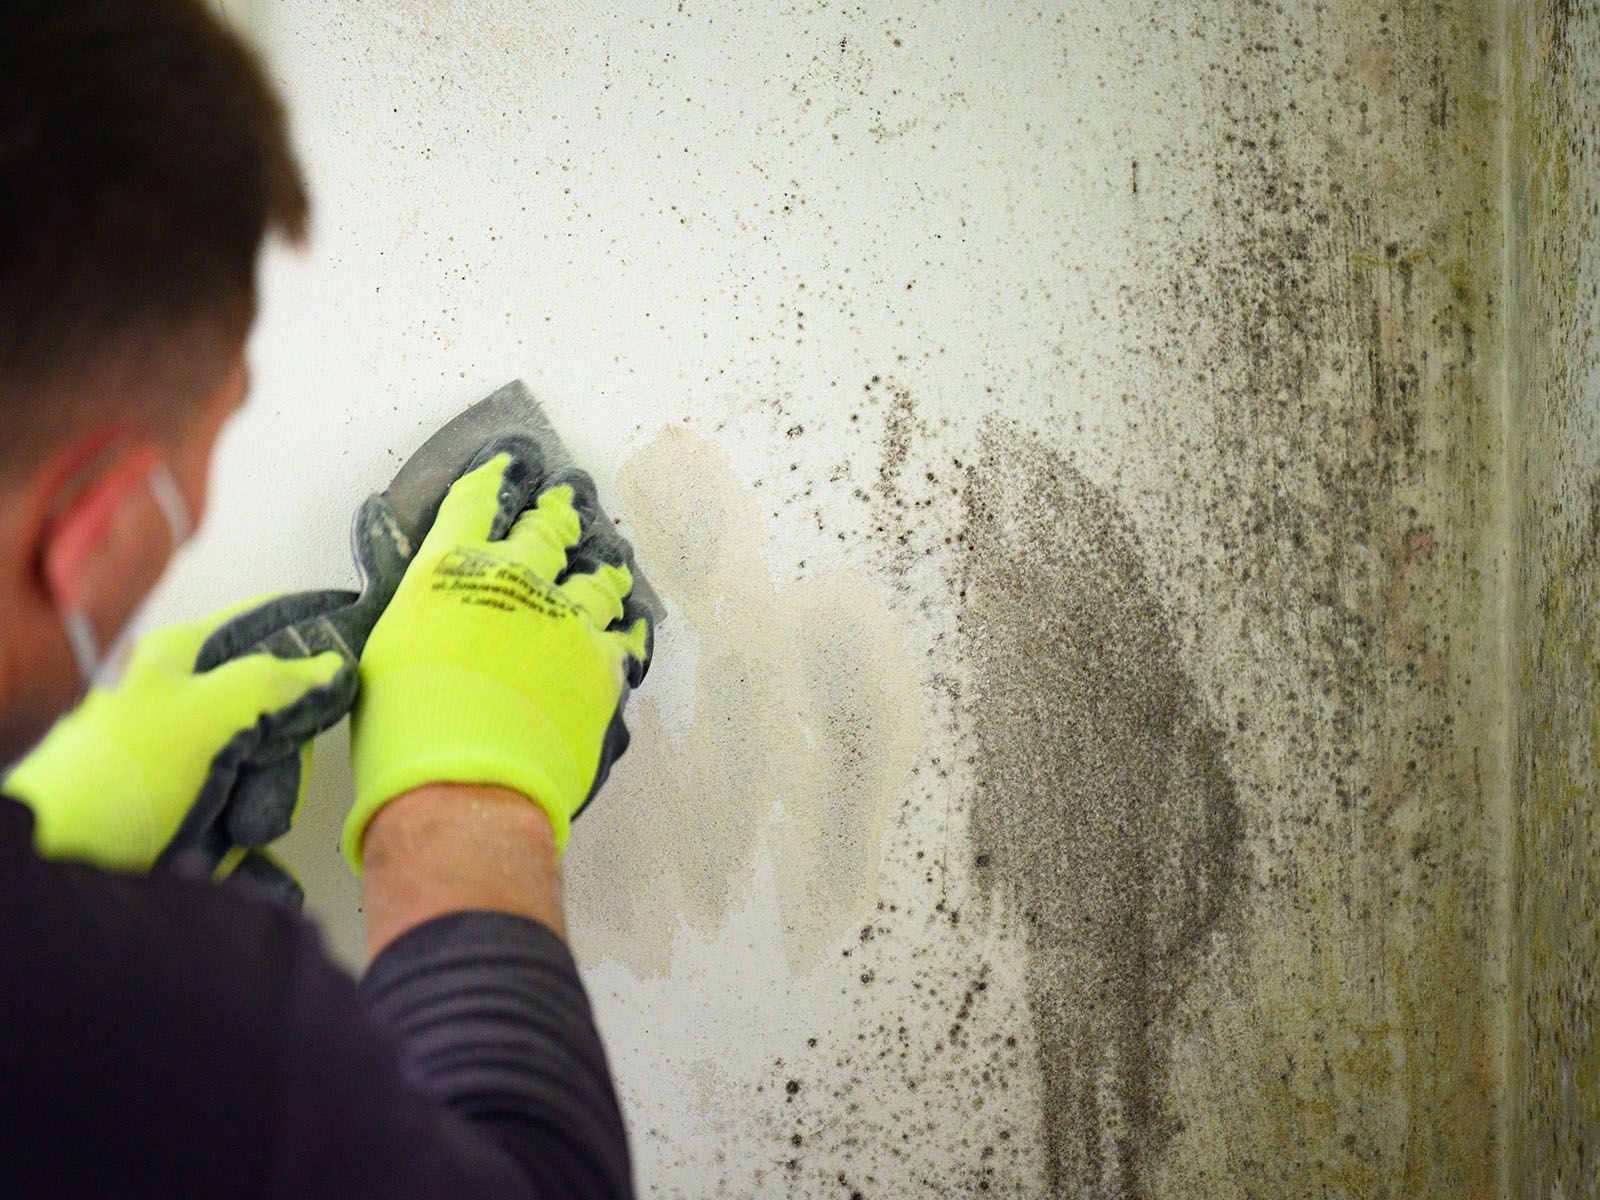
x: 451, y: 847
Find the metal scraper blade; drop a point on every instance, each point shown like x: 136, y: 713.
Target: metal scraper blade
x: 418, y: 488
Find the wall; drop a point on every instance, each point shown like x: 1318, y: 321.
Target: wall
x: 1554, y: 1087
x: 1071, y: 444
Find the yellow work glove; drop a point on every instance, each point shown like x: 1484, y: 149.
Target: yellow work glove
x: 485, y: 670
x: 114, y: 778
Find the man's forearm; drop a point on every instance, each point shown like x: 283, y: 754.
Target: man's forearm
x: 450, y: 848
x: 469, y: 973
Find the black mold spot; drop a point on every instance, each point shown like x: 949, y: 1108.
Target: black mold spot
x: 1104, y: 815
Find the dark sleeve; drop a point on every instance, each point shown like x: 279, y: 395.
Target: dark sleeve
x: 163, y: 1036
x: 495, y: 1028
x: 467, y: 1065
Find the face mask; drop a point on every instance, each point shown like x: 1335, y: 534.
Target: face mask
x: 89, y: 518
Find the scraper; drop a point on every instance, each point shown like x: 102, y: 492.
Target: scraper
x: 250, y: 802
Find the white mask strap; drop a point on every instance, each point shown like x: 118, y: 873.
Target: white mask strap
x: 75, y: 621
x: 164, y: 487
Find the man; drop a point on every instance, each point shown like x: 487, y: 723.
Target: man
x: 169, y: 1036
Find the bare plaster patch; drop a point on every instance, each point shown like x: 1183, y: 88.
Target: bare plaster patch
x: 806, y: 720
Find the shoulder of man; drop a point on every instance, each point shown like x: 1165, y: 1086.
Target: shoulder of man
x: 141, y: 1028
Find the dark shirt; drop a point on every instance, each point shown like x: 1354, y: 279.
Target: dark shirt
x: 167, y: 1037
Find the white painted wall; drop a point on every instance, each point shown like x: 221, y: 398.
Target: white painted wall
x: 771, y: 266
x: 724, y: 222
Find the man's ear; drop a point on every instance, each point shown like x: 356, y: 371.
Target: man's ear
x: 111, y: 533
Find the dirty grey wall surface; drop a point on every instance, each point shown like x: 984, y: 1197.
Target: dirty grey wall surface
x: 1284, y: 976
x: 1068, y: 441
x: 1554, y: 1085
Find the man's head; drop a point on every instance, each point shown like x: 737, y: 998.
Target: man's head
x: 143, y: 159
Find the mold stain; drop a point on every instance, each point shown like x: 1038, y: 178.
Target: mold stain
x: 799, y: 727
x: 1104, y: 817
x: 1314, y: 392
x: 1554, y: 1078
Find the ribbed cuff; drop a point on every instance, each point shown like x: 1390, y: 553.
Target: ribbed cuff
x: 495, y: 1026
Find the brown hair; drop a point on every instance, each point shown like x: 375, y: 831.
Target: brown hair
x: 143, y: 159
